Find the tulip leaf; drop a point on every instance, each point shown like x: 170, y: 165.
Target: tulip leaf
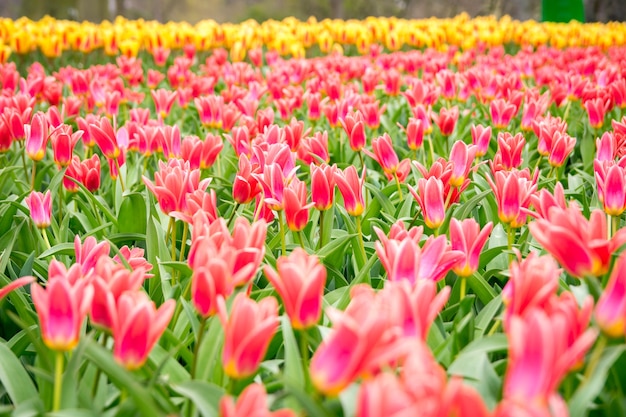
x: 60, y: 249
x: 209, y: 361
x: 338, y: 243
x: 204, y: 395
x: 481, y: 288
x: 294, y: 375
x: 14, y: 377
x: 132, y: 214
x: 588, y: 390
x: 123, y: 379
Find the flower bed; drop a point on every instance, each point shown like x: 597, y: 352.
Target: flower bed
x: 212, y: 224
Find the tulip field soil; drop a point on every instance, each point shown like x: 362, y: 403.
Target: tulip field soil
x: 383, y: 217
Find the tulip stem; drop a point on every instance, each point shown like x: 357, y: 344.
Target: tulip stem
x: 281, y: 230
x: 300, y: 238
x: 321, y: 241
x: 595, y: 357
x: 495, y: 327
x: 44, y: 234
x: 359, y: 231
x: 510, y: 238
x: 567, y: 107
x: 196, y: 348
x: 463, y: 288
x: 304, y: 353
x: 232, y: 214
x: 61, y: 203
x: 183, y: 242
x: 24, y: 161
x: 430, y: 146
x: 119, y: 174
x: 32, y: 179
x: 174, y: 275
x: 395, y: 175
x: 361, y: 158
x: 58, y: 381
x: 538, y: 162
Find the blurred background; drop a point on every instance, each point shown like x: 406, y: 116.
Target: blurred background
x: 239, y: 10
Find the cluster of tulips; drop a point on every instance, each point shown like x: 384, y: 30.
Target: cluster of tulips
x: 173, y: 241
x: 293, y: 37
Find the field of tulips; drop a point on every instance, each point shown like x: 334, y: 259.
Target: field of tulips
x: 362, y: 218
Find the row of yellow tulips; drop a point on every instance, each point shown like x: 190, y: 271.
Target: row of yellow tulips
x: 295, y: 37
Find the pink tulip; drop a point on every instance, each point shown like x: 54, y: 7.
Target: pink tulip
x: 579, y: 245
x: 105, y: 136
x: 462, y: 156
x: 62, y: 306
x: 63, y: 142
x: 251, y: 403
x: 502, y: 112
x: 544, y: 200
x: 532, y: 284
x: 295, y: 205
x: 134, y: 258
x: 611, y: 186
x: 40, y: 206
x: 510, y: 148
x: 300, y: 282
x: 210, y: 283
x: 446, y: 119
x: 364, y: 339
x: 513, y: 190
x: 15, y: 284
x: 247, y: 334
x: 314, y: 149
x: 89, y: 253
x: 245, y: 185
x: 414, y: 133
x: 37, y: 137
x: 351, y: 188
x: 610, y: 311
x: 354, y: 126
x: 386, y: 156
x: 481, y: 137
x: 562, y: 147
x: 467, y: 237
x: 323, y: 186
x: 429, y: 196
x: 596, y: 110
x: 137, y: 327
x: 163, y: 101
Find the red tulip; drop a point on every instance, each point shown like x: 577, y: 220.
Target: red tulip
x: 351, y: 188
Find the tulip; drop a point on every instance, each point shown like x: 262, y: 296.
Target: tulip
x: 481, y: 137
x: 596, y: 109
x: 314, y: 149
x: 354, y: 126
x: 364, y: 339
x: 429, y: 196
x: 15, y: 284
x: 502, y: 112
x: 544, y: 200
x: 40, y: 206
x: 446, y: 119
x: 606, y: 147
x: 300, y: 282
x: 105, y: 136
x: 323, y: 186
x: 462, y: 157
x: 89, y: 253
x: 510, y: 148
x: 245, y: 185
x: 532, y: 284
x: 295, y: 205
x: 63, y: 146
x: 513, y: 190
x: 134, y: 258
x: 137, y: 327
x: 351, y: 188
x: 247, y: 334
x: 163, y: 101
x: 251, y: 402
x: 562, y: 147
x: 611, y: 186
x: 62, y: 306
x: 209, y: 284
x: 579, y: 245
x: 414, y: 133
x: 610, y: 311
x: 36, y: 137
x: 467, y: 237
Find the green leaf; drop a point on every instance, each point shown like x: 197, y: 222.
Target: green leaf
x: 293, y: 362
x: 336, y: 244
x: 60, y: 249
x: 14, y: 377
x: 481, y: 288
x: 132, y: 214
x: 124, y: 380
x: 582, y: 400
x: 204, y: 395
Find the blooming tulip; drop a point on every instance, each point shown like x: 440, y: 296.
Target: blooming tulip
x: 40, y: 206
x: 351, y: 187
x: 300, y: 283
x: 467, y: 237
x: 247, y: 334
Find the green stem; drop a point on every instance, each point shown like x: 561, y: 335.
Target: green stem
x: 23, y: 153
x: 44, y: 234
x: 567, y: 107
x: 304, y: 353
x: 538, y: 162
x: 183, y: 243
x: 32, y: 179
x: 595, y: 356
x: 196, y: 348
x: 395, y: 175
x: 58, y: 381
x: 614, y: 225
x: 321, y: 223
x: 359, y: 231
x: 119, y: 174
x: 281, y: 227
x: 361, y: 158
x: 495, y: 327
x: 300, y: 238
x: 463, y: 288
x: 169, y: 228
x: 61, y: 203
x: 174, y: 274
x: 232, y: 214
x: 430, y: 146
x: 510, y: 238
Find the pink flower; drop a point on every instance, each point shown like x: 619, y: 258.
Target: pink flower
x: 210, y: 285
x: 300, y: 282
x: 611, y: 186
x: 510, y: 148
x: 137, y: 327
x: 354, y: 126
x: 247, y: 334
x: 351, y: 188
x: 323, y: 186
x: 596, y: 109
x: 295, y: 205
x: 17, y: 283
x: 414, y: 133
x: 513, y: 190
x: 386, y: 156
x: 245, y: 185
x: 252, y: 402
x: 481, y: 137
x: 467, y: 237
x: 610, y: 311
x: 63, y: 142
x: 532, y: 284
x: 88, y: 253
x: 502, y: 112
x: 37, y: 137
x: 579, y: 245
x: 104, y: 134
x: 40, y: 206
x: 163, y: 101
x: 462, y: 156
x: 562, y: 147
x: 446, y: 120
x: 429, y: 196
x: 62, y: 306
